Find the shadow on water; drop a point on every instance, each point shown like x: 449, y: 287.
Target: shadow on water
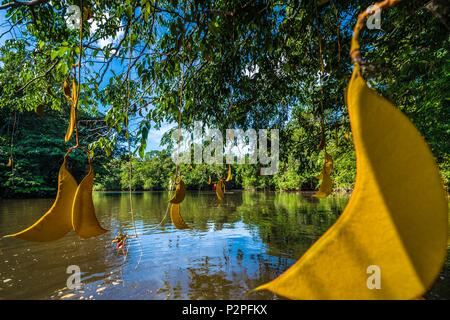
x: 229, y: 249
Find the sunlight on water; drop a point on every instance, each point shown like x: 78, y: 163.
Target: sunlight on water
x: 228, y: 250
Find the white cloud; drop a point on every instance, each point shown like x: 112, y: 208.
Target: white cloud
x: 251, y: 70
x: 155, y: 135
x: 103, y: 42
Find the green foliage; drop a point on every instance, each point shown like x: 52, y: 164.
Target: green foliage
x: 196, y: 57
x: 38, y: 149
x: 288, y: 177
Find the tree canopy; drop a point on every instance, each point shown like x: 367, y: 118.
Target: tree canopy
x: 230, y: 64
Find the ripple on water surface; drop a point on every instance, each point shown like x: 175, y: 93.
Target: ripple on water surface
x: 228, y: 250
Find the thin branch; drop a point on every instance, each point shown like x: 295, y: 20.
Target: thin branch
x: 38, y: 77
x: 116, y: 51
x: 159, y: 9
x: 12, y: 25
x: 15, y: 4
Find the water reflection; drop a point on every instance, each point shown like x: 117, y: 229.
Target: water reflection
x: 229, y: 249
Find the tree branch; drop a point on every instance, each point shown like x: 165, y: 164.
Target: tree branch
x: 15, y: 4
x: 116, y: 51
x: 38, y: 77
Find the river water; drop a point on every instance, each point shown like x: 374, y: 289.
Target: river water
x: 228, y: 250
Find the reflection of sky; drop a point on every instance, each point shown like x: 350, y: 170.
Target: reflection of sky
x: 229, y: 250
x: 185, y: 259
x: 221, y: 257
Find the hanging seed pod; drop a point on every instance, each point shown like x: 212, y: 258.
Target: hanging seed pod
x: 176, y: 217
x: 326, y: 185
x: 67, y: 91
x: 180, y: 193
x: 40, y: 110
x: 328, y: 163
x: 87, y: 13
x: 57, y: 221
x: 84, y: 220
x: 73, y: 112
x: 229, y: 176
x: 321, y: 144
x: 219, y: 191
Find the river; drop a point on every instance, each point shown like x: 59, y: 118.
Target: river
x: 228, y: 250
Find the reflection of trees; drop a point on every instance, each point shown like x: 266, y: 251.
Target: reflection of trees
x: 206, y: 284
x: 149, y: 208
x: 199, y: 210
x: 288, y: 222
x: 210, y: 278
x: 171, y: 292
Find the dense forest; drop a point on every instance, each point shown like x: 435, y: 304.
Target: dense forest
x: 229, y: 64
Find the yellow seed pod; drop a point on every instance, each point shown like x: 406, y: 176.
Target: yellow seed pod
x: 84, y: 221
x: 219, y: 190
x: 180, y: 193
x: 229, y: 176
x: 176, y: 217
x: 57, y: 221
x: 73, y: 112
x: 395, y: 221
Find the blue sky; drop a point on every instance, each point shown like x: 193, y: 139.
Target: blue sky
x: 3, y: 28
x: 154, y: 136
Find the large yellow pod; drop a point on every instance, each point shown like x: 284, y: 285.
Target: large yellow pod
x: 180, y: 193
x: 176, y: 217
x: 229, y: 175
x: 84, y: 221
x: 220, y: 191
x: 57, y: 221
x: 396, y: 219
x: 326, y: 186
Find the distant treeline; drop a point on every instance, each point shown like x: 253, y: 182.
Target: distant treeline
x: 156, y: 170
x: 38, y: 151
